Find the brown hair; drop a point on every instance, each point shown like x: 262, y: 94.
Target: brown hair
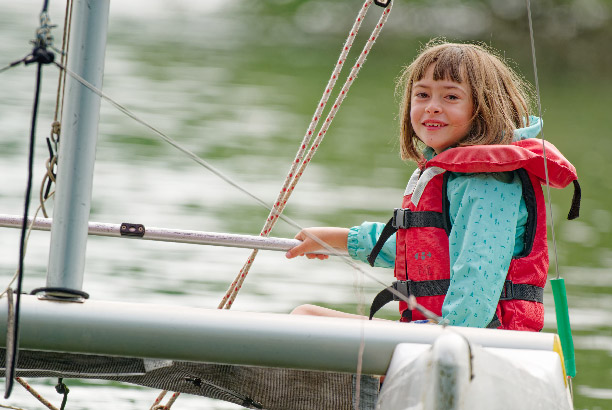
x: 501, y: 98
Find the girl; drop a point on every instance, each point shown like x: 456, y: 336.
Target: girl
x: 471, y: 233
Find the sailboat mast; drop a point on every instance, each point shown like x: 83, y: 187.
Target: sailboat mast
x: 77, y: 149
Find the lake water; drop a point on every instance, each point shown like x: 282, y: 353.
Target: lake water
x: 238, y: 85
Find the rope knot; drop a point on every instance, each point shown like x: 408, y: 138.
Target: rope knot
x: 56, y: 127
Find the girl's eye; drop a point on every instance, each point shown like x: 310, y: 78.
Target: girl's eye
x: 452, y: 97
x: 421, y: 95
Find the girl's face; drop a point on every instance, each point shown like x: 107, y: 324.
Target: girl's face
x: 440, y: 111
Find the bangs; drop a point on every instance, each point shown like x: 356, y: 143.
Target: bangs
x: 448, y: 62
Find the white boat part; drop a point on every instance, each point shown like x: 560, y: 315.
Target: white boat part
x: 456, y: 374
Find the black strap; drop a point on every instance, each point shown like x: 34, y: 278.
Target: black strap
x: 407, y: 288
x: 386, y: 233
x: 574, y: 211
x: 531, y: 204
x: 522, y: 291
x: 404, y: 218
x: 381, y: 299
x: 510, y: 291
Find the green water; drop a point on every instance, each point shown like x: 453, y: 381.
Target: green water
x: 238, y: 86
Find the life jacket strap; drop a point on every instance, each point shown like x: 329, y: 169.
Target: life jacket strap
x: 510, y: 291
x: 574, y: 211
x: 404, y: 218
x: 386, y: 233
x: 407, y: 288
x: 522, y: 291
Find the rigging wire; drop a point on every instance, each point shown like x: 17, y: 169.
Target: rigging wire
x: 14, y: 64
x: 539, y: 103
x: 41, y: 56
x: 558, y: 284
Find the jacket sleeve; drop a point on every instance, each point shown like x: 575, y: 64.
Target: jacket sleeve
x: 484, y: 212
x: 361, y: 240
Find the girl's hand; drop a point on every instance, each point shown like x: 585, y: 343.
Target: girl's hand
x: 334, y: 237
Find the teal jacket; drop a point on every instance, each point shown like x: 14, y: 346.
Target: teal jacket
x: 476, y: 201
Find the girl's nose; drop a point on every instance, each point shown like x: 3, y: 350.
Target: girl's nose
x: 433, y: 107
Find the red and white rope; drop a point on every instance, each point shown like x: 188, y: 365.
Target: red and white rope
x: 36, y: 394
x: 157, y: 406
x: 302, y: 160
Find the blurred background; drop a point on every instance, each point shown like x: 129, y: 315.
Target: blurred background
x: 237, y: 82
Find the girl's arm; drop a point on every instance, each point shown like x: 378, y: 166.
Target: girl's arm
x: 484, y: 213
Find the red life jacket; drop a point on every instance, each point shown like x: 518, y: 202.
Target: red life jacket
x: 422, y: 264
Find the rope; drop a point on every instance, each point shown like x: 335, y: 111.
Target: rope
x: 157, y: 406
x: 34, y: 393
x: 54, y: 136
x: 158, y: 399
x: 61, y: 84
x: 61, y: 388
x: 10, y: 407
x: 295, y: 174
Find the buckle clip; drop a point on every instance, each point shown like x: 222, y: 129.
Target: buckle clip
x: 403, y: 287
x: 401, y: 218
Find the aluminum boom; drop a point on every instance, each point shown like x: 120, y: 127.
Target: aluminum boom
x: 169, y: 235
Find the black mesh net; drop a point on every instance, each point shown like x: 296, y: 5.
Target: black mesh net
x: 249, y: 386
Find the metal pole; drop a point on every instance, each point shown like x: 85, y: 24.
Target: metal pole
x: 77, y: 149
x: 232, y: 337
x: 172, y: 235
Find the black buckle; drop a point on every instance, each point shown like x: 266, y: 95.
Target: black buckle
x: 403, y: 287
x: 506, y: 293
x: 401, y: 217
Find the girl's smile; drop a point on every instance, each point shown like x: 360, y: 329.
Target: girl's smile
x: 440, y: 111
